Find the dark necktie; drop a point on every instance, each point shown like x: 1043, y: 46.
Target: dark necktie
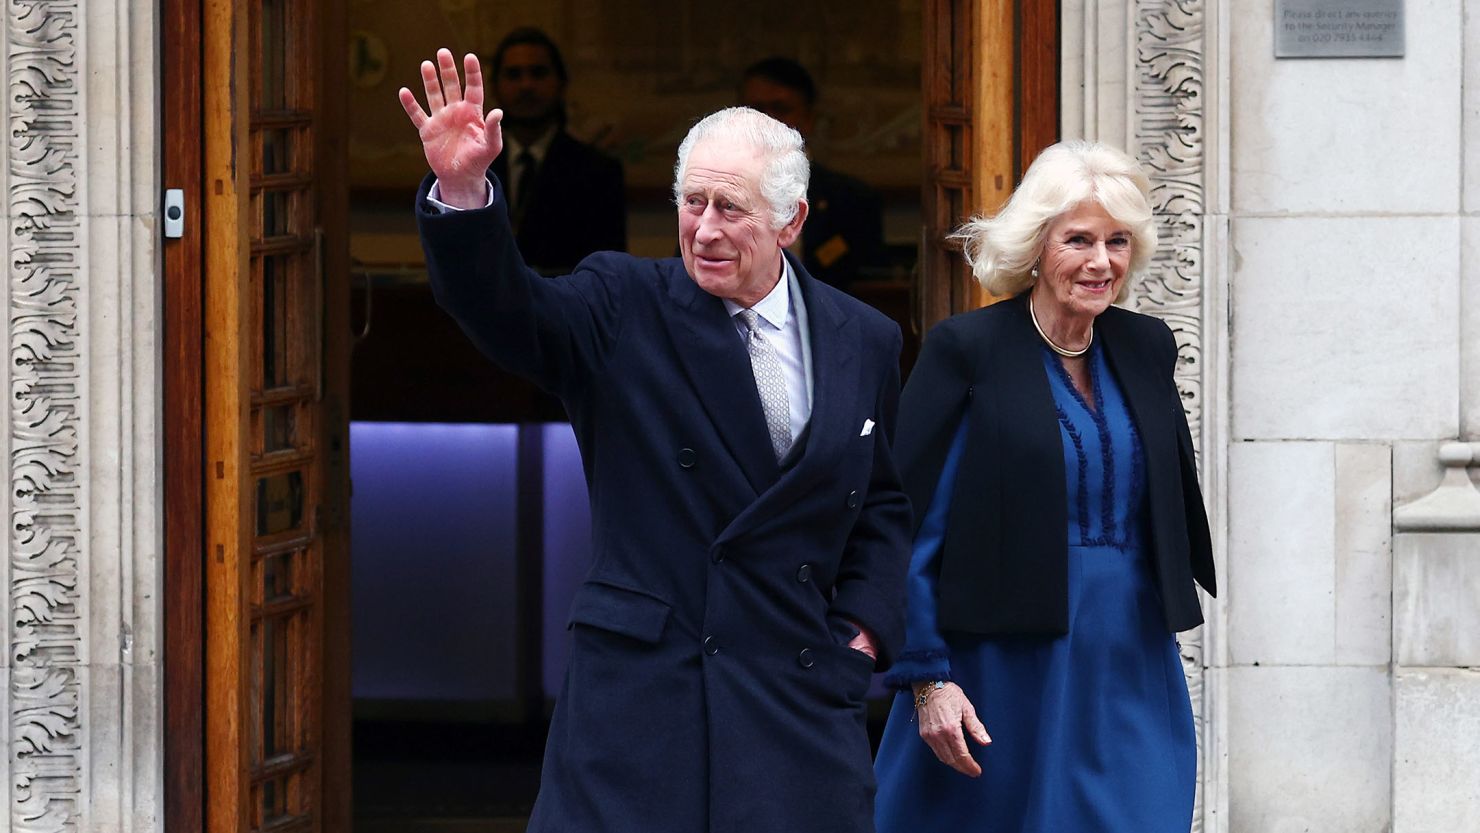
x: 528, y: 168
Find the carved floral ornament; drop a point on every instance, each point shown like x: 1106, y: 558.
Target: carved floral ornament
x: 1168, y: 127
x: 45, y: 547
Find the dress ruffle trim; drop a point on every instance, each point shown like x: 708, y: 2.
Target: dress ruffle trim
x: 936, y: 666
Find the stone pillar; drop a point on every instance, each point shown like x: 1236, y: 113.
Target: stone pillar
x: 1436, y: 640
x: 1150, y: 76
x: 80, y: 680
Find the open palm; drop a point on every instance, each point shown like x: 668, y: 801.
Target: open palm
x: 460, y: 142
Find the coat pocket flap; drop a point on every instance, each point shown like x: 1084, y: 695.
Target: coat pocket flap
x: 619, y: 610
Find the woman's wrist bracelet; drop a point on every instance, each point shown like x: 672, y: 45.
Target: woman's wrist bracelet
x: 923, y: 695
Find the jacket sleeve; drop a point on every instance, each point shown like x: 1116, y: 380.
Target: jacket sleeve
x: 1199, y: 535
x: 869, y: 589
x: 926, y: 655
x: 553, y: 331
x: 930, y: 409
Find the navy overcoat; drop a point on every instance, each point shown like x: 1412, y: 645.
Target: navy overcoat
x: 710, y: 687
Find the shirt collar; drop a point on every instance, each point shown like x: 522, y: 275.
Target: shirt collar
x: 538, y: 148
x: 776, y: 306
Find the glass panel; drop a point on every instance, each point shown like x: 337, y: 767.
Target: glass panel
x: 274, y: 321
x: 274, y: 36
x: 277, y: 150
x: 277, y: 577
x: 274, y: 800
x: 277, y: 712
x: 956, y: 156
x: 277, y: 427
x: 277, y: 217
x: 956, y: 208
x: 279, y: 503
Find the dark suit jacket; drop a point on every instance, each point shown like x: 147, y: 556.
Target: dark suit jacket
x: 1005, y: 558
x: 844, y: 233
x: 579, y: 206
x: 707, y: 686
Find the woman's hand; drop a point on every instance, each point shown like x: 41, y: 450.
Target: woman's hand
x: 459, y: 140
x: 944, y: 715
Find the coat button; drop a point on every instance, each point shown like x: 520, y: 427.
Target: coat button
x: 804, y: 659
x: 711, y: 645
x: 804, y: 573
x: 687, y: 458
x: 718, y: 555
x: 853, y: 500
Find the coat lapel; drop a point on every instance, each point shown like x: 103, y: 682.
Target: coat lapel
x: 718, y: 368
x: 835, y: 388
x: 1137, y: 384
x: 1019, y: 385
x: 835, y: 375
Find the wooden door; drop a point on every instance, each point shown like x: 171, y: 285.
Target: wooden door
x: 265, y: 269
x: 991, y: 102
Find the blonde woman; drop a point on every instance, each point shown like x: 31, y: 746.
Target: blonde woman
x: 1059, y: 532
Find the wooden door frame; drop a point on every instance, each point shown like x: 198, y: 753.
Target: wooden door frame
x: 181, y: 63
x: 990, y: 87
x: 199, y: 141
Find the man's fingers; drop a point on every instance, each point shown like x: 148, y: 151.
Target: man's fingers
x: 493, y: 131
x: 432, y: 85
x: 451, y: 85
x: 412, y: 108
x: 474, y: 75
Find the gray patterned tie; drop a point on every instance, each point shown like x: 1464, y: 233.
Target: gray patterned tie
x: 770, y: 383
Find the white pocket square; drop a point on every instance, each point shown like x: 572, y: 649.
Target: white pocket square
x: 868, y: 428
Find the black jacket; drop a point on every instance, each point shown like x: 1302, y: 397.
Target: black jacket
x: 1005, y: 559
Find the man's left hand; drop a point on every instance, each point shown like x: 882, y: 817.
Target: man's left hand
x: 864, y: 642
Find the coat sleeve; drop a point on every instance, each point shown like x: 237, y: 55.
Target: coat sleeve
x: 869, y: 589
x: 553, y: 331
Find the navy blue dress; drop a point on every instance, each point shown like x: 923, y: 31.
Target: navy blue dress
x: 1091, y: 731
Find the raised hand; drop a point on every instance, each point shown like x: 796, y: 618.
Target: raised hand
x: 460, y: 142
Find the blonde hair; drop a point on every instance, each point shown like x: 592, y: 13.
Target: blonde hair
x: 1003, y: 249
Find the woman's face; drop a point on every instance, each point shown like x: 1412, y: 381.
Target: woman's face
x: 1085, y: 257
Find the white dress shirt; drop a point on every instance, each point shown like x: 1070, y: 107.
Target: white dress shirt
x: 782, y: 318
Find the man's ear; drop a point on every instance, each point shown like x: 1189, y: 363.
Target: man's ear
x: 792, y: 230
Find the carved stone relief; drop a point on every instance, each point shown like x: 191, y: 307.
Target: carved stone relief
x: 1167, y: 82
x: 46, y: 540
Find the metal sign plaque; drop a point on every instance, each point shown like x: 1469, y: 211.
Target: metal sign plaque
x: 1338, y: 28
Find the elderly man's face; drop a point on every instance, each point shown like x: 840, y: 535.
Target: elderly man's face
x: 724, y: 224
x: 528, y: 87
x: 781, y: 103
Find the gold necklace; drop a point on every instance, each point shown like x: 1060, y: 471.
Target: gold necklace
x: 1068, y: 354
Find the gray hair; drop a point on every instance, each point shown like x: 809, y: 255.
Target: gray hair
x: 783, y: 180
x: 1003, y: 249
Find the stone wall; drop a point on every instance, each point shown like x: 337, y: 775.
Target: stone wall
x: 1350, y: 213
x: 1337, y: 204
x: 80, y: 677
